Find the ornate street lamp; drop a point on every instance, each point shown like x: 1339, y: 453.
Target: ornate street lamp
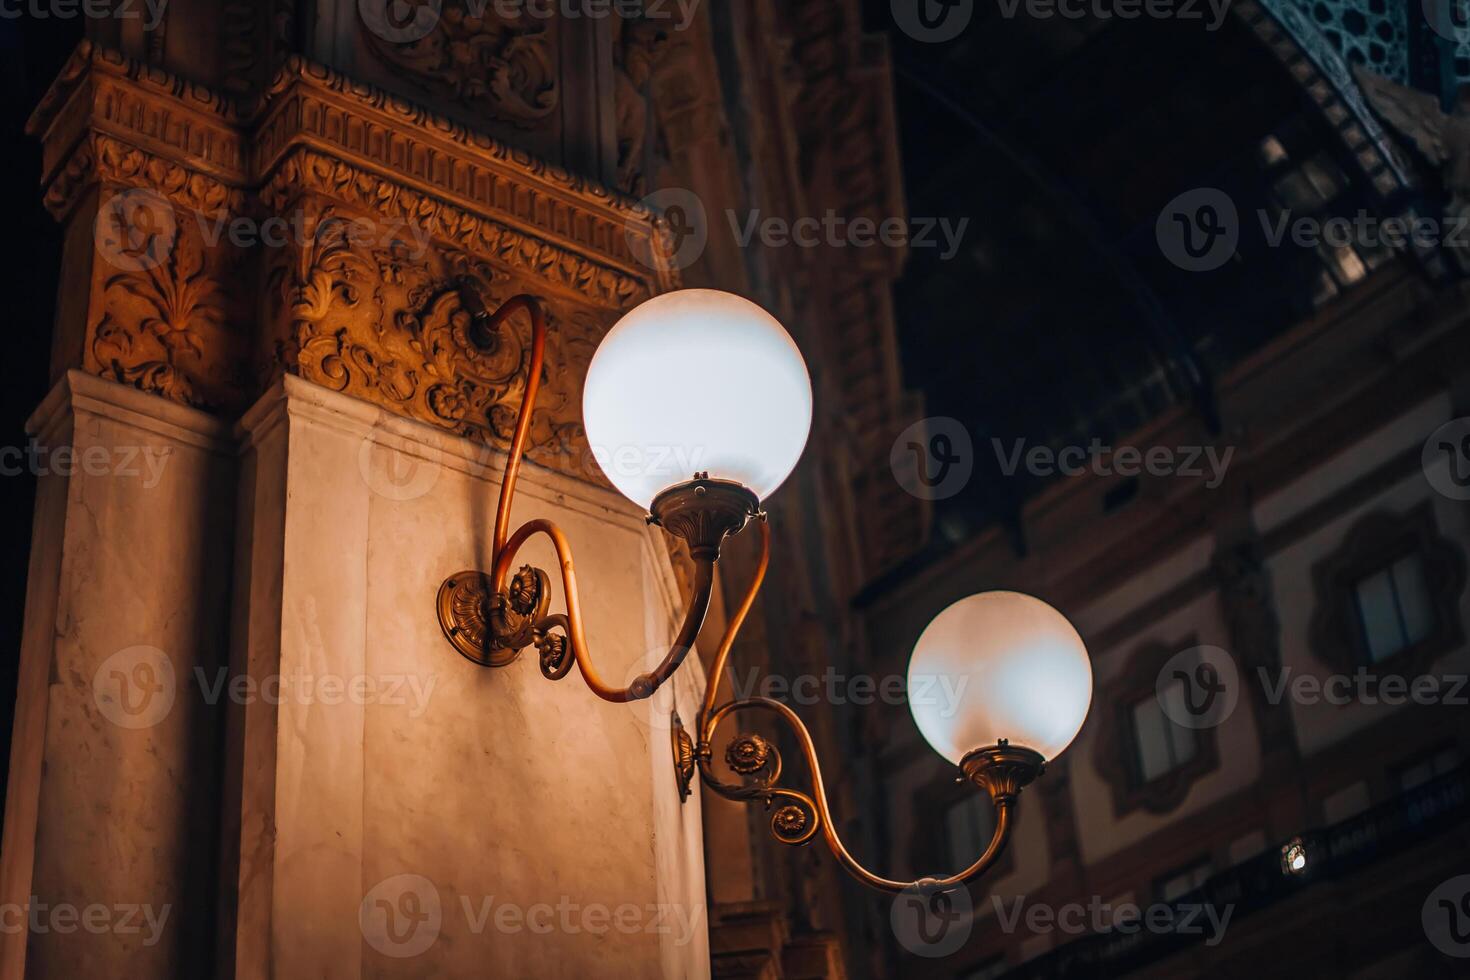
x: 709, y: 380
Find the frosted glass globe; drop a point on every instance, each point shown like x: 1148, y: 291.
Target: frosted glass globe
x: 999, y: 665
x: 696, y: 381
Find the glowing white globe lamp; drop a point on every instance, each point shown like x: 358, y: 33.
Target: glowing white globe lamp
x: 697, y: 381
x: 999, y: 669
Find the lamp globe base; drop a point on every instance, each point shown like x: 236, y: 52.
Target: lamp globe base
x: 703, y: 512
x: 1003, y: 770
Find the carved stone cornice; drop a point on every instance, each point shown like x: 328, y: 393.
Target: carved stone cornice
x: 308, y: 171
x: 308, y: 104
x: 100, y: 91
x: 379, y: 114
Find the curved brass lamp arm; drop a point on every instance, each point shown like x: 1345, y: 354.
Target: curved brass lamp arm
x: 732, y: 628
x: 484, y: 325
x: 750, y: 754
x: 552, y: 661
x: 802, y: 816
x: 489, y: 623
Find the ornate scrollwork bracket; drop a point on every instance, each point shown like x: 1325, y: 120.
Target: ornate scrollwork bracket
x: 490, y: 617
x: 492, y: 628
x: 683, y: 747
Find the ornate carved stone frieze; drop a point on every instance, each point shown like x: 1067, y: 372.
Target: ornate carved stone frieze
x: 361, y: 211
x: 362, y: 110
x: 382, y: 321
x: 565, y: 269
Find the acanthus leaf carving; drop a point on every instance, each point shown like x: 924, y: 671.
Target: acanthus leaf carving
x: 386, y: 325
x: 164, y: 326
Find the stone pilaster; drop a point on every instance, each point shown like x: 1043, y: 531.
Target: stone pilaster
x: 111, y: 806
x: 377, y: 829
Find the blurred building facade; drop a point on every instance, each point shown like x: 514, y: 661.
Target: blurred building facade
x: 1245, y: 495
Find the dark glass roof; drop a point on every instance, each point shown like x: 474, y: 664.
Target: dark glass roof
x: 1060, y: 319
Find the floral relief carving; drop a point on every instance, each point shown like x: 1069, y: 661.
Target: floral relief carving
x: 385, y: 324
x: 164, y: 321
x: 480, y: 60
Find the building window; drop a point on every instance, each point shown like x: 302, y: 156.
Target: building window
x: 1389, y: 597
x: 1159, y: 744
x: 966, y: 823
x: 1345, y: 803
x: 1149, y: 760
x: 1394, y: 608
x: 1177, y: 884
x: 1423, y: 769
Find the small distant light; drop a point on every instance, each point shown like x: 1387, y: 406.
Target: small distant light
x: 1272, y: 152
x: 1294, y: 857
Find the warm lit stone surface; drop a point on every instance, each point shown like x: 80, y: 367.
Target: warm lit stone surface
x: 113, y: 770
x: 357, y: 792
x: 507, y: 825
